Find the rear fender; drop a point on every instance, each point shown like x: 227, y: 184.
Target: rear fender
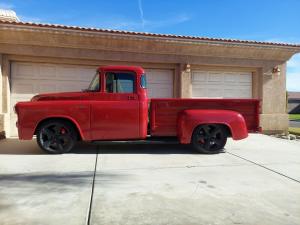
x: 189, y: 119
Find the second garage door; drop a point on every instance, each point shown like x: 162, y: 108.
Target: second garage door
x: 160, y: 83
x: 216, y: 84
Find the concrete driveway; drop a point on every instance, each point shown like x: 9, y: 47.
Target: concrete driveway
x: 257, y: 181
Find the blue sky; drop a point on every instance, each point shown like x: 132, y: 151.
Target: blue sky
x: 263, y: 20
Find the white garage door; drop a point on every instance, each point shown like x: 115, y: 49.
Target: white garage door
x: 28, y: 79
x: 215, y: 84
x: 160, y: 83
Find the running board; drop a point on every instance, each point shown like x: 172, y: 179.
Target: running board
x: 148, y: 140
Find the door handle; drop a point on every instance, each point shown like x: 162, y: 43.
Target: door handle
x: 130, y: 97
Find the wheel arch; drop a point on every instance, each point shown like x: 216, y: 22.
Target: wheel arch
x: 189, y: 120
x: 70, y: 120
x: 226, y: 127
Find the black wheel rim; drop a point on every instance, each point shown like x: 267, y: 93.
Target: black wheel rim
x: 210, y: 137
x: 56, y: 138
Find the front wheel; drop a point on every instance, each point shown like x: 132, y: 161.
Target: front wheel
x: 209, y: 138
x: 56, y: 136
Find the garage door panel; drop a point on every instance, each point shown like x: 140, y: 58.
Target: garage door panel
x: 245, y: 79
x: 214, y: 93
x: 220, y: 84
x: 157, y: 78
x: 29, y: 87
x: 160, y: 83
x: 230, y: 78
x: 164, y: 93
x: 46, y: 72
x: 23, y: 88
x: 198, y: 92
x: 215, y: 77
x: 76, y: 87
x: 76, y: 73
x: 29, y: 79
x: 46, y: 87
x: 200, y: 78
x: 24, y: 71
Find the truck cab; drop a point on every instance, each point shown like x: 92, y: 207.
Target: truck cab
x: 118, y: 103
x: 116, y: 107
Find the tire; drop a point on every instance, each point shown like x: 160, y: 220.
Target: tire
x: 56, y: 136
x: 209, y: 138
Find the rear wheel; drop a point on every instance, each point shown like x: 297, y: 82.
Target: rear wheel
x: 56, y: 136
x: 209, y: 138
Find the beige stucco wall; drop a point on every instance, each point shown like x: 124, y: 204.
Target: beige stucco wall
x: 274, y: 116
x: 5, y: 95
x: 1, y: 101
x: 185, y: 81
x: 1, y: 83
x: 272, y: 119
x: 89, y: 48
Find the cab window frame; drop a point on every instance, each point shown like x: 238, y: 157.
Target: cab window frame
x: 143, y: 81
x: 130, y: 73
x: 91, y: 88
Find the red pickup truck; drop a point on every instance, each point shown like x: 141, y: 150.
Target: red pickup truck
x: 115, y: 107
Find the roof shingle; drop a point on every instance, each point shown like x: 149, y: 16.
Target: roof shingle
x: 58, y: 26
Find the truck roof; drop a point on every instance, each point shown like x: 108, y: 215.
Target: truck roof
x: 137, y: 69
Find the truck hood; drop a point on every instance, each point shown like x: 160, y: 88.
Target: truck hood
x: 58, y: 96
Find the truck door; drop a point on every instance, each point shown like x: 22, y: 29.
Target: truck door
x: 116, y: 115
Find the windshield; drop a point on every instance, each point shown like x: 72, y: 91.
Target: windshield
x: 94, y: 85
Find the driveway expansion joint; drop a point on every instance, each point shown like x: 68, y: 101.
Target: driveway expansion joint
x: 89, y: 211
x: 267, y: 168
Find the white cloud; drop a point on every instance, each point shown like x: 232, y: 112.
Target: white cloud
x: 141, y: 12
x: 21, y: 17
x: 290, y: 40
x: 180, y: 18
x: 117, y: 22
x: 29, y: 19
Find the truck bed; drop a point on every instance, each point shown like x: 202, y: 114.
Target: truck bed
x: 164, y: 112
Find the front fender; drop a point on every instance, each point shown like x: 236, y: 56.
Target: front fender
x: 30, y: 114
x: 189, y: 119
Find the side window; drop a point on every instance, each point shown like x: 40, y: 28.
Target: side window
x: 119, y: 82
